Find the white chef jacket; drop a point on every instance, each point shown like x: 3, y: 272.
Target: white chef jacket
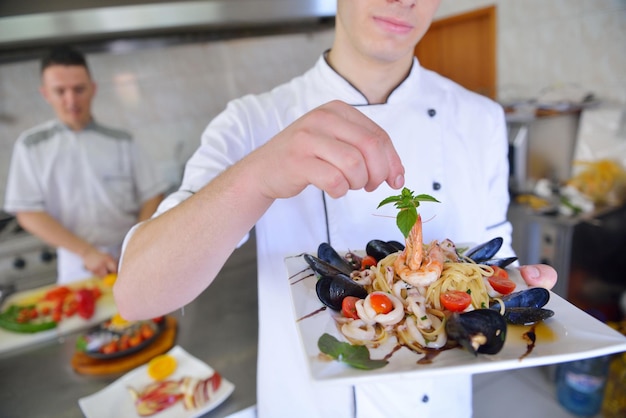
x: 93, y: 182
x: 453, y: 146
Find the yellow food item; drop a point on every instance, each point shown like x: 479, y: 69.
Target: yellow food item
x: 160, y: 367
x: 603, y: 181
x: 109, y: 279
x: 118, y: 322
x: 535, y: 202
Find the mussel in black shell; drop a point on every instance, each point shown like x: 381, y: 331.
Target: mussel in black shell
x: 320, y: 267
x: 380, y: 249
x: 526, y: 306
x: 478, y: 331
x: 331, y: 290
x: 327, y: 253
x: 500, y: 262
x: 485, y: 251
x: 333, y: 285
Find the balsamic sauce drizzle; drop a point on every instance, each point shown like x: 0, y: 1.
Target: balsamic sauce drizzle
x: 322, y: 309
x: 530, y: 338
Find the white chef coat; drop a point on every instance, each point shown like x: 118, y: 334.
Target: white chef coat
x: 453, y: 145
x: 93, y: 182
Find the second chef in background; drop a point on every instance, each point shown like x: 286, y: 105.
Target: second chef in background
x: 74, y: 183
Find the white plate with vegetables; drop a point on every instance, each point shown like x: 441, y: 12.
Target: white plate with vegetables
x: 191, y: 390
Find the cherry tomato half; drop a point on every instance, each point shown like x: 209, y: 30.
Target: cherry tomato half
x: 455, y: 300
x: 348, y: 307
x: 367, y: 262
x: 381, y: 303
x: 500, y: 281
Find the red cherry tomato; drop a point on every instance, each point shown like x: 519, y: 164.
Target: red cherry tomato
x: 367, y: 262
x: 455, y: 300
x: 500, y: 281
x: 381, y: 303
x: 348, y: 307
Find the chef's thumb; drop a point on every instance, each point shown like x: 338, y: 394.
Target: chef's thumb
x: 539, y: 275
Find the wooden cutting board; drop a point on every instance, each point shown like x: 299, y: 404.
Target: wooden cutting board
x: 83, y: 364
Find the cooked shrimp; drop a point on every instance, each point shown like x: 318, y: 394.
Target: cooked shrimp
x: 412, y: 266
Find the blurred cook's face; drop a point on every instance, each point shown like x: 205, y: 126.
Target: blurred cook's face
x: 384, y: 29
x: 69, y: 90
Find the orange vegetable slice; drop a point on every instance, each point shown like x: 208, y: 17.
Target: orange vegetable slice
x: 162, y: 366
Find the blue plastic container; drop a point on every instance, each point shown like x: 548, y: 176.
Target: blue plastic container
x: 580, y: 385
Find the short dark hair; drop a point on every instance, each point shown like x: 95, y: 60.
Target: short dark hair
x: 64, y: 55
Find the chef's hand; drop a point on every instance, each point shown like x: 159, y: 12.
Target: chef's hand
x: 99, y: 263
x: 334, y: 147
x: 539, y: 275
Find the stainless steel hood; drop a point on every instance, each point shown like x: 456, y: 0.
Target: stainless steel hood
x: 38, y: 23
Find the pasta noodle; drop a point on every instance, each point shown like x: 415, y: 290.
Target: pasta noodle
x: 466, y: 277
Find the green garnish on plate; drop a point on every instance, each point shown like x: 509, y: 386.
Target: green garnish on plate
x: 357, y: 356
x: 407, y: 203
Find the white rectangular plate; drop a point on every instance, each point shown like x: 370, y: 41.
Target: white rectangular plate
x: 115, y: 400
x: 571, y: 334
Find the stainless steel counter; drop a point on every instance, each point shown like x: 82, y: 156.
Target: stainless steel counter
x: 220, y: 328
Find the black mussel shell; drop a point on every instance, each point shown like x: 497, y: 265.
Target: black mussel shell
x: 380, y: 249
x: 485, y: 251
x: 320, y: 267
x: 500, y: 262
x: 534, y: 297
x: 397, y: 245
x: 474, y: 326
x: 331, y: 290
x: 527, y: 316
x: 327, y: 253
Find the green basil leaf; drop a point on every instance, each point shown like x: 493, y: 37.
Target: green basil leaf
x: 407, y: 203
x: 357, y: 356
x: 405, y: 220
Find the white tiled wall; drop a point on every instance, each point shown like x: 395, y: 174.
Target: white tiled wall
x: 166, y: 96
x: 545, y: 44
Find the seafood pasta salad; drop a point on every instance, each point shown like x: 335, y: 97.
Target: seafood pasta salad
x: 428, y: 296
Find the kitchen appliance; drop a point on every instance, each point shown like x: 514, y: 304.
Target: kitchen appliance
x: 26, y: 262
x: 37, y: 22
x: 518, y: 156
x: 541, y: 148
x: 586, y: 251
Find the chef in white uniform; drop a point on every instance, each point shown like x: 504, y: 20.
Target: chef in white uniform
x: 75, y: 183
x: 308, y: 163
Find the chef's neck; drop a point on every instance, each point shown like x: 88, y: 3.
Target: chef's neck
x: 77, y: 125
x: 375, y: 79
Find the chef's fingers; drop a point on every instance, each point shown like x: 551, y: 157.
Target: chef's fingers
x: 539, y: 275
x: 111, y: 266
x: 334, y: 147
x: 381, y: 158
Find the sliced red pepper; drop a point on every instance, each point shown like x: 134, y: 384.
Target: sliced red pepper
x: 57, y: 293
x: 86, y: 303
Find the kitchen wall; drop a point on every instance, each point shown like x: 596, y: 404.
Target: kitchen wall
x: 166, y: 96
x: 549, y: 44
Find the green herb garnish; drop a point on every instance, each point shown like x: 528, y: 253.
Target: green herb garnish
x: 357, y: 356
x: 407, y: 203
